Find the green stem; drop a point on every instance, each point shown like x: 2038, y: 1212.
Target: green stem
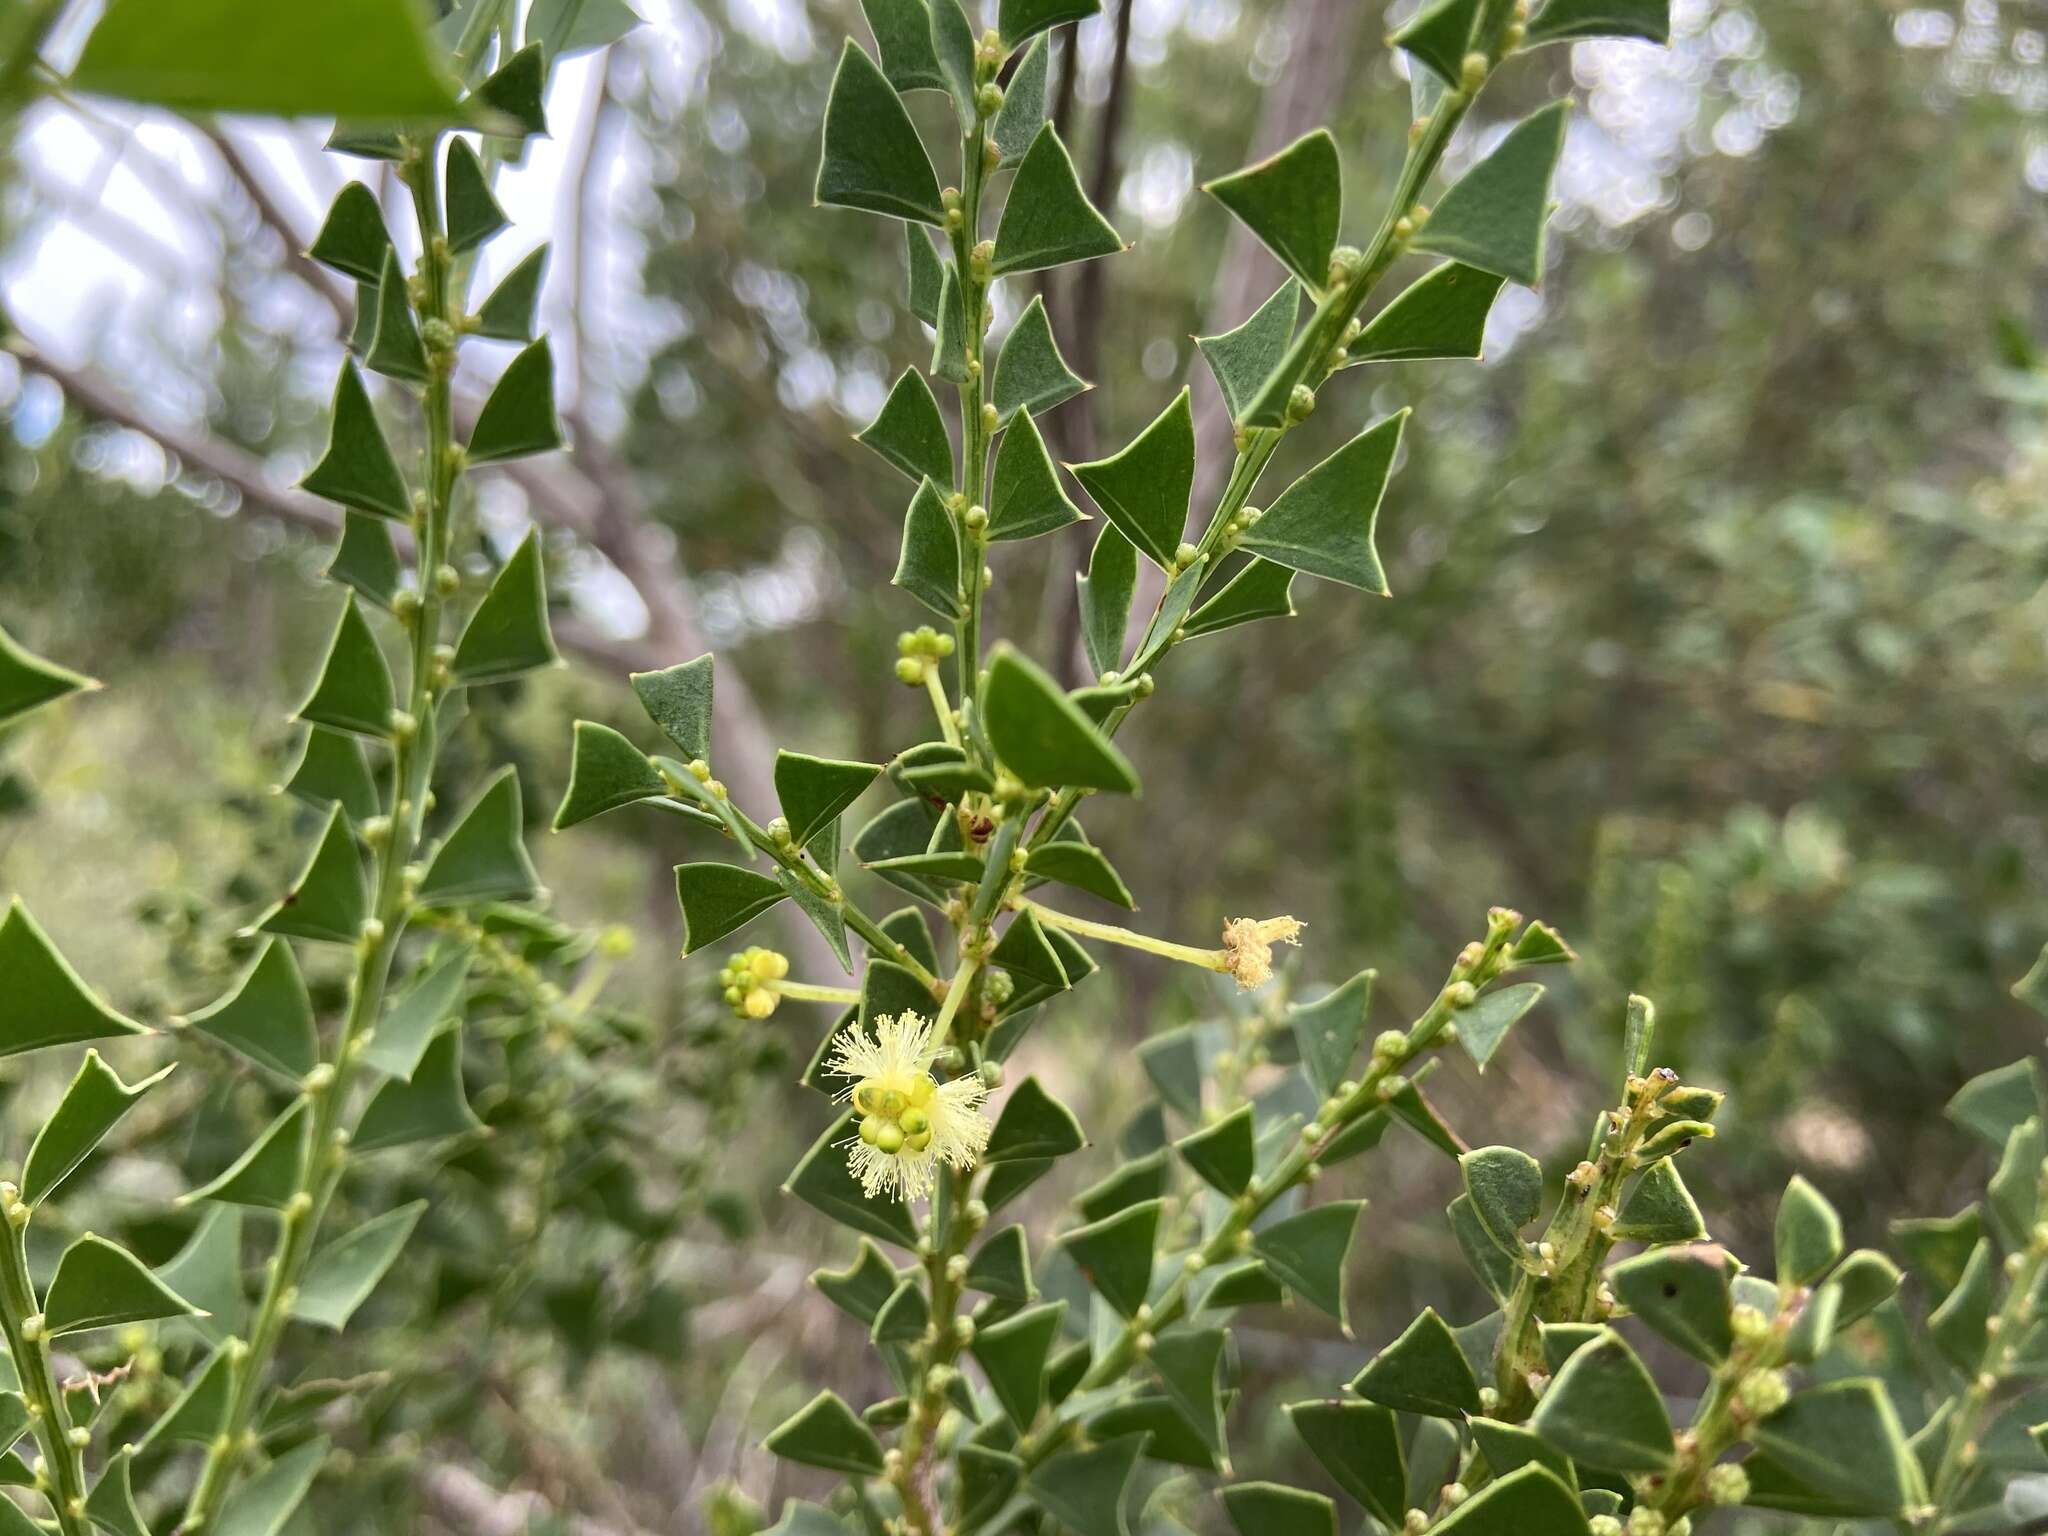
x: 974, y: 434
x: 807, y: 992
x: 941, y: 706
x: 1110, y: 933
x: 413, y: 758
x: 29, y: 1347
x: 956, y: 993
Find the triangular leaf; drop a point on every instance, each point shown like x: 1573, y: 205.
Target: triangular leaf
x: 1105, y: 598
x: 1274, y: 1509
x: 264, y: 1505
x: 1603, y: 1410
x: 508, y: 635
x: 1115, y: 1254
x: 331, y: 900
x: 826, y: 1433
x: 1084, y: 1489
x: 1308, y: 1250
x: 358, y: 469
x: 1485, y: 1024
x: 353, y: 239
x: 950, y: 343
x: 330, y: 771
x: 678, y: 700
x: 207, y: 1272
x: 927, y: 274
x: 366, y: 559
x: 1327, y: 1032
x: 606, y: 771
x: 1682, y: 1293
x: 518, y: 418
x: 44, y: 1002
x: 1261, y: 590
x: 1844, y: 1439
x: 508, y: 313
x: 1808, y: 1234
x: 1359, y: 1445
x: 1293, y: 201
x: 1145, y: 488
x: 1506, y: 1188
x: 395, y: 348
x: 354, y: 691
x: 1020, y: 19
x: 814, y: 790
x: 515, y: 90
x: 1323, y: 523
x: 1223, y: 1153
x: 1493, y: 217
x: 903, y: 35
x: 1041, y: 736
x: 1026, y: 952
x: 1033, y: 1124
x: 1440, y: 35
x: 484, y: 858
x: 1031, y: 375
x: 426, y: 1107
x: 1027, y: 499
x: 1496, y: 1267
x: 1242, y: 360
x: 1532, y: 1501
x: 1013, y: 1353
x: 417, y: 1014
x: 718, y: 899
x: 928, y: 566
x: 909, y: 433
x: 1023, y: 110
x: 953, y: 46
x: 473, y: 212
x: 91, y: 1106
x: 1440, y: 315
x: 1423, y: 1371
x: 1660, y: 1209
x: 1082, y: 866
x: 1001, y: 1267
x: 1567, y: 20
x: 823, y: 1181
x: 341, y: 1276
x: 99, y: 1284
x: 269, y: 1171
x: 873, y: 158
x: 1048, y: 220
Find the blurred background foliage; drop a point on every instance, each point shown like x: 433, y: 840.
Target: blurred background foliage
x: 1716, y: 641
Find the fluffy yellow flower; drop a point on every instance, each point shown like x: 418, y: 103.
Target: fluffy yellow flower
x: 1248, y: 946
x: 909, y: 1123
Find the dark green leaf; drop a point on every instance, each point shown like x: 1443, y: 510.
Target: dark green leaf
x: 1048, y: 220
x: 927, y: 275
x: 266, y: 1016
x: 201, y: 1408
x: 1001, y: 1267
x: 395, y: 348
x: 514, y: 91
x: 341, y: 1276
x: 1019, y: 19
x: 909, y: 432
x: 1245, y: 358
x: 1510, y: 1447
x: 1958, y: 1325
x: 1247, y: 1283
x: 1084, y: 1489
x: 1173, y: 607
x: 1115, y: 1254
x: 928, y: 567
x: 28, y: 681
x: 1496, y: 1266
x: 366, y: 559
x: 508, y: 634
x: 606, y: 771
x: 873, y: 158
x: 1013, y: 1354
x: 1082, y: 866
x: 1328, y: 1031
x: 264, y: 1505
x: 111, y: 1504
x: 1173, y: 1062
x: 1273, y: 1509
x: 1323, y: 523
x: 1440, y: 35
x: 903, y: 35
x: 1565, y: 20
x: 1293, y: 201
x: 1682, y: 1294
x: 823, y: 1181
x: 567, y: 27
x: 950, y: 343
x: 358, y: 470
x: 207, y: 1272
x: 353, y: 238
x: 354, y: 691
x: 1131, y: 1184
x: 1442, y: 314
x: 1493, y: 218
x: 331, y: 900
x: 678, y: 699
x: 1307, y: 1251
x: 904, y: 1316
x: 1027, y: 499
x: 1187, y: 1360
x: 1506, y: 1188
x: 1222, y: 1154
x: 826, y: 1433
x: 95, y: 1101
x: 518, y: 418
x: 356, y: 58
x: 508, y: 313
x: 861, y: 1288
x: 1994, y: 1103
x: 1105, y: 599
x: 484, y: 858
x: 1843, y: 1439
x: 1603, y: 1410
x: 1808, y: 1236
x: 1261, y: 590
x: 1041, y: 736
x: 1031, y: 375
x: 426, y: 1107
x: 1033, y: 1124
x: 1423, y: 1371
x: 99, y: 1284
x: 953, y: 46
x: 1540, y: 944
x: 1483, y: 1026
x: 473, y: 212
x: 417, y: 1014
x: 1359, y: 1445
x: 1023, y: 110
x: 1026, y: 952
x: 814, y: 790
x: 1144, y: 489
x: 1006, y: 1181
x: 268, y: 1172
x: 1660, y: 1209
x: 1528, y: 1502
x: 1866, y: 1279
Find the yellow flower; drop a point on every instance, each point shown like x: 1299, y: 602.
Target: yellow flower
x: 909, y: 1122
x: 1248, y: 946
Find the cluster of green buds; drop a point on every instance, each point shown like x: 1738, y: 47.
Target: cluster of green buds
x: 918, y: 654
x: 748, y: 981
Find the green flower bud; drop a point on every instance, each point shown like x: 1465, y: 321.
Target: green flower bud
x: 1763, y: 1393
x: 988, y: 101
x: 976, y: 519
x: 1471, y: 75
x: 910, y: 671
x: 1727, y: 1483
x: 1301, y: 403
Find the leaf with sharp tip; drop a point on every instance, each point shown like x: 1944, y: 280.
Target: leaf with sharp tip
x: 426, y: 1107
x: 1033, y: 1125
x: 1532, y: 1501
x: 268, y: 1172
x: 1359, y: 1445
x: 1263, y: 589
x: 953, y: 46
x: 200, y: 1408
x: 417, y: 1013
x: 99, y: 1284
x: 1682, y: 1294
x: 1959, y: 1325
x: 1308, y: 1251
x: 484, y: 858
x: 678, y: 700
x: 1327, y: 1031
x: 1603, y: 1410
x: 1843, y: 1439
x: 1323, y: 523
x: 354, y: 692
x: 1440, y: 315
x: 814, y: 790
x: 1026, y: 952
x: 860, y: 1289
x: 1048, y: 220
x: 873, y: 159
x: 1023, y: 110
x: 1031, y: 375
x: 909, y: 433
x: 1495, y: 1266
x: 508, y: 635
x: 1808, y: 1234
x: 1423, y: 1371
x: 1002, y: 1267
x: 1493, y: 217
x: 111, y: 1504
x: 1144, y: 488
x: 518, y: 418
x: 1082, y: 866
x: 265, y: 1504
x: 823, y: 1181
x: 827, y: 917
x: 1020, y: 19
x: 1440, y: 35
x: 1178, y: 598
x: 1084, y: 1489
x: 1115, y: 1254
x: 904, y: 1316
x: 1992, y: 1104
x: 606, y: 771
x: 1506, y: 1186
x: 1027, y: 499
x: 903, y: 36
x: 565, y: 28
x: 342, y: 1275
x: 1041, y: 735
x: 1510, y: 1447
x: 1568, y: 20
x: 1105, y: 598
x: 330, y: 900
x: 1013, y: 1353
x: 927, y: 274
x: 1243, y: 359
x: 207, y: 1272
x: 928, y: 565
x: 358, y: 469
x: 1273, y: 1509
x: 473, y: 212
x: 1660, y: 1209
x: 1293, y: 201
x: 1222, y: 1154
x: 514, y: 91
x: 950, y: 335
x: 28, y: 682
x: 366, y: 559
x: 395, y: 348
x: 91, y: 1106
x: 507, y: 314
x: 353, y: 239
x: 44, y: 1002
x: 1485, y: 1024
